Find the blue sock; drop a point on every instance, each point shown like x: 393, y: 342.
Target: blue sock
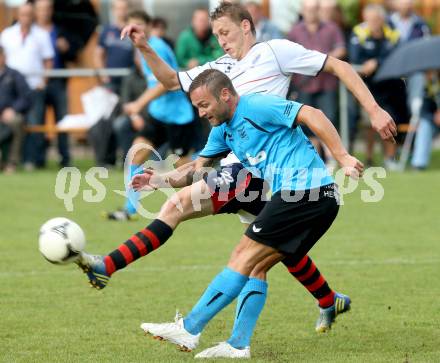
x: 221, y: 292
x: 132, y: 196
x: 249, y: 305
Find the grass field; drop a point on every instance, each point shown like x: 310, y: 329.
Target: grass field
x: 385, y: 255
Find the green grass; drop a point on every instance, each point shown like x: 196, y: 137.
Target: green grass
x: 385, y: 255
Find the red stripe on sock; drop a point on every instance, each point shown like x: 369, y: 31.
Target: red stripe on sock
x: 109, y: 265
x: 139, y: 245
x: 317, y: 284
x: 308, y: 274
x: 126, y: 253
x: 299, y: 265
x: 327, y: 301
x: 152, y: 237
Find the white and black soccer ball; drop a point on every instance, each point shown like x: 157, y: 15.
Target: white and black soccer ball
x: 61, y: 240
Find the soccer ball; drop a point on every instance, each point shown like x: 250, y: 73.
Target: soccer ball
x: 61, y: 240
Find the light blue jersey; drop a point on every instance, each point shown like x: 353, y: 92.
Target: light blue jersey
x: 173, y: 107
x: 264, y: 136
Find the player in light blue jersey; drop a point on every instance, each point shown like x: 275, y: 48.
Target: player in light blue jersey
x: 265, y: 134
x: 170, y: 118
x: 265, y: 138
x: 253, y: 67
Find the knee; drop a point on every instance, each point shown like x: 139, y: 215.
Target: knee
x: 172, y: 211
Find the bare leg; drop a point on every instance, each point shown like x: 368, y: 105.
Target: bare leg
x: 188, y: 203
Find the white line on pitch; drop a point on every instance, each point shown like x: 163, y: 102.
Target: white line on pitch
x: 170, y: 268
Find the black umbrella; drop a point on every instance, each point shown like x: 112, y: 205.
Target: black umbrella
x: 415, y: 56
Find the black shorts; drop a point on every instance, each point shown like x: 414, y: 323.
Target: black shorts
x: 180, y: 137
x: 293, y: 226
x: 233, y: 188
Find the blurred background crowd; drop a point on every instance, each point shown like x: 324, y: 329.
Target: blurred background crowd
x: 67, y: 36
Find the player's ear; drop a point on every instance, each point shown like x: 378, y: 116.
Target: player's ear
x: 245, y: 26
x: 225, y: 94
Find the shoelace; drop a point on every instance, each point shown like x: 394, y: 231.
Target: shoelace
x: 178, y: 316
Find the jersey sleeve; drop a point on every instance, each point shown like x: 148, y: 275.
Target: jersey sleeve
x: 216, y: 144
x: 274, y: 110
x: 294, y: 58
x: 186, y: 77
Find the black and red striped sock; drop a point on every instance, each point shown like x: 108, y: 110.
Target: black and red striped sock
x: 140, y: 244
x: 306, y: 272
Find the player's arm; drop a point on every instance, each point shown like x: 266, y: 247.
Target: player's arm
x: 188, y: 173
x: 381, y: 121
x: 163, y: 72
x: 150, y: 94
x: 178, y: 178
x: 323, y: 128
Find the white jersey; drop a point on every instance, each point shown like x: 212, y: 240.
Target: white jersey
x: 266, y: 68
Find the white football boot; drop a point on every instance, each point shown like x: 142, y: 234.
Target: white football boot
x: 174, y: 333
x: 225, y: 350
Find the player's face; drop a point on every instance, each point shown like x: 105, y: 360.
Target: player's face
x: 230, y: 36
x: 216, y: 111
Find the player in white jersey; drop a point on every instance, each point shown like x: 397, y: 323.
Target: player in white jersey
x: 263, y: 67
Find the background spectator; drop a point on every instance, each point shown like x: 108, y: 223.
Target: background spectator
x: 15, y: 101
x: 372, y: 41
x: 407, y: 22
x: 410, y: 27
x: 125, y: 127
x: 266, y: 30
x: 197, y: 45
x: 320, y: 91
x: 112, y: 52
x: 429, y: 123
x: 284, y: 13
x: 159, y: 27
x: 55, y: 92
x: 170, y: 118
x: 29, y: 50
x: 331, y: 11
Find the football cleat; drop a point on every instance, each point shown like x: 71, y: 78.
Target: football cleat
x: 225, y: 350
x: 342, y: 304
x: 93, y: 266
x: 119, y: 215
x: 174, y: 333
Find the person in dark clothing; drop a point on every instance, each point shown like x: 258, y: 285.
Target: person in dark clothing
x: 371, y: 42
x: 65, y: 49
x: 15, y: 101
x: 113, y: 52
